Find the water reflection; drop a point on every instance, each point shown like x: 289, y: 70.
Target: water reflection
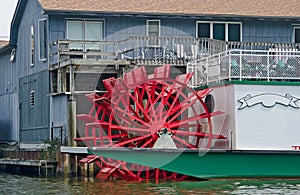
x: 15, y: 184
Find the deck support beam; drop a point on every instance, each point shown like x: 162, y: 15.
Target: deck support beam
x: 71, y: 159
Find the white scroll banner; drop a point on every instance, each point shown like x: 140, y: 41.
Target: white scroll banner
x: 268, y: 100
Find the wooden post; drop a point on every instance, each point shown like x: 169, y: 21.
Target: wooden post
x: 72, y: 160
x: 63, y: 74
x: 71, y: 122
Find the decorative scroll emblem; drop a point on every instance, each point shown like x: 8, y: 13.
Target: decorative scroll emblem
x: 268, y: 100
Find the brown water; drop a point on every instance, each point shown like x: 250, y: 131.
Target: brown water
x: 16, y: 184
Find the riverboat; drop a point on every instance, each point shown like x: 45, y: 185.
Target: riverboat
x: 233, y: 114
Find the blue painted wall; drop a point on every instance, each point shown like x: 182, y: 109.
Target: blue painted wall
x: 8, y: 97
x: 58, y: 117
x: 32, y: 13
x: 33, y: 123
x: 34, y: 118
x: 267, y: 31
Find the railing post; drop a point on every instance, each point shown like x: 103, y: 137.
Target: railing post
x: 219, y: 64
x: 196, y: 79
x: 240, y: 65
x: 207, y: 70
x: 229, y: 65
x: 268, y: 66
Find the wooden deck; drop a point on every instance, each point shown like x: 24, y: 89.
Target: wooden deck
x: 210, y: 60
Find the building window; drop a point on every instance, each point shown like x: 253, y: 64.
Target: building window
x: 234, y: 32
x: 225, y: 31
x: 13, y: 55
x: 219, y: 31
x: 153, y: 30
x: 203, y: 30
x: 85, y: 31
x: 297, y: 34
x: 43, y: 39
x: 32, y: 45
x: 32, y: 99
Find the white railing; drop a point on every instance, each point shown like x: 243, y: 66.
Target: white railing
x: 237, y: 64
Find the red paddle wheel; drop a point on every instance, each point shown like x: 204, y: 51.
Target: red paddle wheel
x: 137, y: 109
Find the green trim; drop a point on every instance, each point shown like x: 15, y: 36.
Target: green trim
x: 212, y: 164
x: 248, y: 82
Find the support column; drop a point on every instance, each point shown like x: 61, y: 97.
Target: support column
x: 71, y: 159
x: 71, y: 122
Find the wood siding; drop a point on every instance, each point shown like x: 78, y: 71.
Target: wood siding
x: 33, y: 123
x: 34, y: 114
x: 32, y: 13
x: 266, y: 31
x: 8, y: 98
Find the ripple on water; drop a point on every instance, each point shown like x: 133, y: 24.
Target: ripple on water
x: 16, y: 184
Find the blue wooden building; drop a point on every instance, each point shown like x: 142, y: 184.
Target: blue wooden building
x: 60, y: 50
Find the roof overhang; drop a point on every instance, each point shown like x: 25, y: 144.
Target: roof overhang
x: 168, y: 15
x: 5, y: 49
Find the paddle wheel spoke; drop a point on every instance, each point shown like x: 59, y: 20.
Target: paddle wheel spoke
x: 181, y: 108
x: 147, y: 143
x: 118, y: 112
x: 184, y: 142
x: 131, y: 129
x: 131, y: 140
x: 185, y: 121
x: 144, y: 113
x: 150, y: 103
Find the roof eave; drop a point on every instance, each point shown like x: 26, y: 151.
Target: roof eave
x: 5, y: 48
x: 149, y: 14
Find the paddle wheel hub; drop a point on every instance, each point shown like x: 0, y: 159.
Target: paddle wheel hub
x: 155, y: 128
x: 138, y: 110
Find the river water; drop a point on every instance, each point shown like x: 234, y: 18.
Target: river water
x: 16, y: 184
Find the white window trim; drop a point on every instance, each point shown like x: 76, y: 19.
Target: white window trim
x: 85, y: 20
x: 67, y: 26
x: 12, y: 57
x: 32, y: 33
x: 39, y: 38
x: 294, y: 32
x: 93, y: 21
x: 220, y: 22
x: 147, y: 26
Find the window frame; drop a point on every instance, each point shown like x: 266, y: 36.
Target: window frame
x: 43, y: 58
x: 295, y: 27
x: 84, y: 27
x: 225, y: 30
x: 147, y: 26
x: 102, y: 21
x: 241, y: 30
x: 211, y: 24
x: 32, y: 45
x: 12, y: 56
x: 155, y: 41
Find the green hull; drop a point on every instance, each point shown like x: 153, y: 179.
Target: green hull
x: 211, y: 164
